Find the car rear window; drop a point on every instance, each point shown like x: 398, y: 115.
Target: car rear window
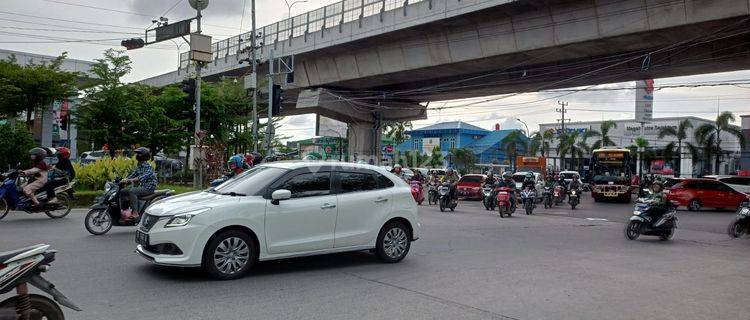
x: 357, y: 181
x: 568, y: 175
x: 519, y: 178
x: 743, y: 181
x: 471, y: 179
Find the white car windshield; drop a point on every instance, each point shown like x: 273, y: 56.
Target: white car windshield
x: 249, y: 182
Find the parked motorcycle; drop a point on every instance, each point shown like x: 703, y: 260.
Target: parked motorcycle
x: 741, y: 225
x: 106, y: 212
x: 417, y: 191
x: 12, y: 198
x: 574, y: 198
x: 446, y: 201
x: 487, y: 199
x: 528, y: 196
x: 21, y: 267
x: 559, y: 194
x: 504, y: 205
x: 643, y: 221
x: 432, y: 193
x: 547, y: 197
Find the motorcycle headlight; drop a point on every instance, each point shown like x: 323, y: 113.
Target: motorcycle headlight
x: 108, y: 186
x: 745, y: 211
x: 637, y: 212
x: 573, y: 192
x: 183, y: 218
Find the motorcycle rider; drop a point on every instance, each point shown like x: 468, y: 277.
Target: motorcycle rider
x: 528, y: 182
x: 236, y: 164
x: 434, y: 177
x: 657, y: 199
x: 397, y: 171
x: 510, y: 184
x: 145, y: 177
x: 490, y: 180
x: 452, y: 178
x: 38, y: 172
x: 549, y: 181
x: 575, y: 184
x: 60, y: 175
x: 417, y: 177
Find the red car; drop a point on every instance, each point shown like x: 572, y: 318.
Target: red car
x: 699, y: 193
x: 470, y: 186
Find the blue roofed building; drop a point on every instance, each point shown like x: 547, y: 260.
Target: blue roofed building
x: 454, y: 135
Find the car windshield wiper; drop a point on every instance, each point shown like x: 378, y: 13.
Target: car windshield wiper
x: 233, y: 194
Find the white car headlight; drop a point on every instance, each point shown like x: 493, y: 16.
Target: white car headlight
x: 183, y: 218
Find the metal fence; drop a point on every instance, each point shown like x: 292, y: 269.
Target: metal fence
x: 323, y: 18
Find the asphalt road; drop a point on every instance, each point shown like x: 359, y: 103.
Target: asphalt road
x: 470, y: 264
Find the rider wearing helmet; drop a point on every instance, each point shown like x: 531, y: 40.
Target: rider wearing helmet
x: 549, y: 181
x: 38, y: 172
x: 61, y: 174
x: 417, y: 176
x: 145, y: 177
x: 236, y: 164
x: 575, y: 184
x: 397, y: 171
x: 249, y: 160
x: 508, y: 182
x: 657, y: 199
x: 529, y: 181
x: 490, y: 180
x: 451, y: 177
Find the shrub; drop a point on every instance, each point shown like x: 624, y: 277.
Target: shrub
x: 94, y: 175
x: 15, y: 143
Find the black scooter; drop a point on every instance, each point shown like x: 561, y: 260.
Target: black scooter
x: 105, y: 212
x: 644, y: 221
x: 741, y: 225
x: 18, y: 269
x: 574, y: 198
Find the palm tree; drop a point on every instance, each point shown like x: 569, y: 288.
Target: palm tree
x: 708, y: 135
x: 511, y: 144
x: 641, y: 144
x: 569, y: 145
x: 397, y: 131
x: 463, y: 158
x: 603, y: 134
x: 680, y: 134
x: 540, y: 141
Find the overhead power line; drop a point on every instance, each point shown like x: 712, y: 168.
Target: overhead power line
x: 67, y: 20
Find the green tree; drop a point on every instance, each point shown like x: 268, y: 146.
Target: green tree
x: 540, y: 142
x: 162, y: 122
x: 34, y: 86
x: 641, y: 144
x: 104, y: 112
x: 436, y: 158
x: 569, y: 145
x: 708, y: 135
x: 397, y: 131
x: 680, y: 134
x: 512, y: 143
x: 15, y: 143
x: 603, y: 135
x: 463, y: 158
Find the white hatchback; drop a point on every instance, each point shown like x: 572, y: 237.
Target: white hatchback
x: 281, y: 210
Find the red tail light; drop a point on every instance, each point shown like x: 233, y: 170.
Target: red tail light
x: 2, y: 266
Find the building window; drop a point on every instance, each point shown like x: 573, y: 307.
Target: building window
x: 453, y: 143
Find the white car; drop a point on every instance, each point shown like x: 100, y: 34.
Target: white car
x: 280, y: 210
x: 739, y: 183
x: 520, y: 176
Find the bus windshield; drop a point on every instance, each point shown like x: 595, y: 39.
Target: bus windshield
x: 611, y: 166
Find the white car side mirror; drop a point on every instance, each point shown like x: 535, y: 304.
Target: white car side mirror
x: 281, y: 194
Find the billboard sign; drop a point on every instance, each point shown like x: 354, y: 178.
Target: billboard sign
x: 644, y: 100
x: 430, y: 143
x: 328, y: 127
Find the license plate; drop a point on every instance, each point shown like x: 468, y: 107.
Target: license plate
x: 141, y: 238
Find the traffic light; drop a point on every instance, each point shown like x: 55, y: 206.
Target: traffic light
x: 276, y: 100
x: 188, y: 87
x: 133, y: 43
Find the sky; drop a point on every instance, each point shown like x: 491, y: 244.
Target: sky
x: 54, y: 26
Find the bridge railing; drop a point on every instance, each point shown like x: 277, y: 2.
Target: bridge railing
x: 322, y: 18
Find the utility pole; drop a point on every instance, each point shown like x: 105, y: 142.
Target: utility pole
x: 198, y: 175
x: 255, y: 69
x: 562, y: 119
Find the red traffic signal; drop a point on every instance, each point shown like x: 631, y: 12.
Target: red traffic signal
x: 133, y: 43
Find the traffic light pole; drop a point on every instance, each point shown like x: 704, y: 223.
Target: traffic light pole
x: 269, y: 125
x: 198, y: 174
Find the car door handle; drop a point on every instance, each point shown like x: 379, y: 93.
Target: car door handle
x: 381, y: 199
x: 328, y: 206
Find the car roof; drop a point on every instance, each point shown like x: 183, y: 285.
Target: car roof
x: 568, y: 171
x: 473, y: 175
x: 296, y: 164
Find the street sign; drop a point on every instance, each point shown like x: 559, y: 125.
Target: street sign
x: 200, y: 47
x: 198, y: 4
x: 201, y: 56
x: 172, y: 30
x: 644, y: 100
x: 251, y: 81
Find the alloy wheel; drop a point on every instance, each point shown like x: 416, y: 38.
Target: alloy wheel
x: 231, y: 255
x: 395, y: 242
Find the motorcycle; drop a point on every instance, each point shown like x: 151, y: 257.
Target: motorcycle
x: 487, y: 200
x: 432, y: 193
x: 574, y: 198
x: 106, y: 211
x: 12, y: 198
x: 18, y: 269
x: 559, y: 193
x: 528, y: 196
x: 547, y: 197
x: 504, y: 205
x: 445, y: 200
x: 641, y: 223
x: 417, y: 191
x: 741, y: 225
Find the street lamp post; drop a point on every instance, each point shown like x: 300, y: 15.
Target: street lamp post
x: 525, y: 125
x: 290, y: 5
